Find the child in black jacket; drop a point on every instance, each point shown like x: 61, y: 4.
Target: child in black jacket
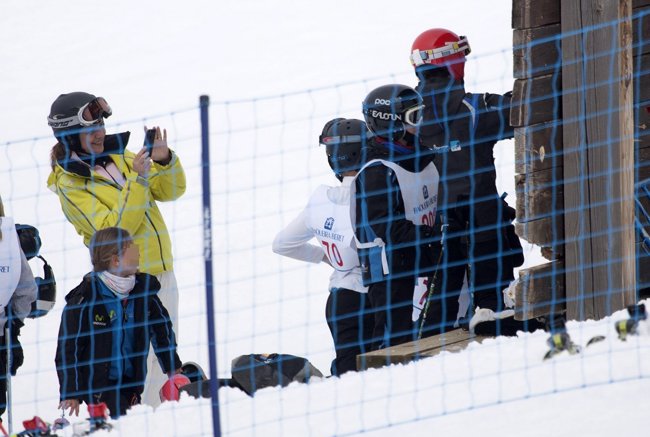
x: 108, y: 323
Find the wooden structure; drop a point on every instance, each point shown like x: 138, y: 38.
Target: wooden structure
x: 452, y: 341
x: 580, y: 102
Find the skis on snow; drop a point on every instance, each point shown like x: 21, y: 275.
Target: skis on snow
x: 560, y: 341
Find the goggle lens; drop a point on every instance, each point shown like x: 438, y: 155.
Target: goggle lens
x: 94, y: 112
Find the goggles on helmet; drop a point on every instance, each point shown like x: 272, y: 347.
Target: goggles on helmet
x: 413, y: 116
x: 421, y: 57
x: 90, y: 114
x: 327, y: 140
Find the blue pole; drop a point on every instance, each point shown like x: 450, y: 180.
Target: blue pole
x: 204, y: 103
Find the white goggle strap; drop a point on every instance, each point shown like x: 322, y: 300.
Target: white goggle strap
x: 421, y: 57
x: 377, y: 242
x: 63, y: 122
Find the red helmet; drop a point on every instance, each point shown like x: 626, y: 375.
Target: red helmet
x: 441, y: 47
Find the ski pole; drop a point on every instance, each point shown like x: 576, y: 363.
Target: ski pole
x: 431, y: 287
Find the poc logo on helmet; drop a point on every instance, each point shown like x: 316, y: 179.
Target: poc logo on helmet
x: 382, y: 102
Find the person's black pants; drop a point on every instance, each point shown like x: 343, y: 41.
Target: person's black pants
x: 392, y: 306
x: 119, y: 397
x: 491, y: 273
x: 351, y: 324
x: 443, y: 305
x: 3, y: 379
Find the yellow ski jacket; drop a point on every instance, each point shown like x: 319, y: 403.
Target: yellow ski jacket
x: 92, y: 202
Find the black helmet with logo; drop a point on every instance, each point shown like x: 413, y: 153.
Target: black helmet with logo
x: 389, y: 109
x: 70, y: 113
x: 344, y: 139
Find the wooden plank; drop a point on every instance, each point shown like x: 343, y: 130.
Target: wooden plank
x: 536, y: 100
x: 452, y: 341
x: 534, y: 13
x: 598, y: 157
x: 539, y: 194
x: 641, y: 31
x: 540, y: 291
x: 546, y: 232
x: 536, y: 52
x: 640, y: 3
x: 538, y: 147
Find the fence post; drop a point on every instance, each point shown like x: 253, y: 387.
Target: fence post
x: 598, y: 157
x: 204, y: 103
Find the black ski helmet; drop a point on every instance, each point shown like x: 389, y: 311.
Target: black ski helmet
x: 389, y: 108
x: 343, y: 139
x: 64, y: 117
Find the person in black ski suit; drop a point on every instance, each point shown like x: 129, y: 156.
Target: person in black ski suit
x: 395, y: 210
x: 107, y: 326
x: 480, y: 241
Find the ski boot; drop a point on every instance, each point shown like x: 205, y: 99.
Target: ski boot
x: 629, y: 326
x: 98, y: 417
x: 559, y: 341
x: 35, y: 427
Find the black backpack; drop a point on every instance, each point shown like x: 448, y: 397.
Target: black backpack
x: 30, y: 243
x: 254, y: 371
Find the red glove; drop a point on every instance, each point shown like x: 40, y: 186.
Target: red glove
x: 169, y: 391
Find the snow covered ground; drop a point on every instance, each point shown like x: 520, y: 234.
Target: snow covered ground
x: 275, y: 71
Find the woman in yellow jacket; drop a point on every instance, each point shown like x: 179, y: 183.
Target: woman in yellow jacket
x: 100, y: 184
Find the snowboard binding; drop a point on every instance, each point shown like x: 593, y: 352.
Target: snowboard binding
x: 629, y: 326
x: 559, y: 341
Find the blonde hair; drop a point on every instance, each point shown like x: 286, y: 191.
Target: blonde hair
x: 106, y: 243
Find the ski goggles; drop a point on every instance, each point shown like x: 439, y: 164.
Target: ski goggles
x: 343, y: 139
x: 421, y: 57
x: 413, y: 116
x: 91, y: 114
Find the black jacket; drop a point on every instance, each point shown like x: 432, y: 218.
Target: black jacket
x: 411, y: 250
x: 463, y: 128
x: 83, y: 355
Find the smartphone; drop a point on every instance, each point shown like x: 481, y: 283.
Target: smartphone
x: 149, y: 138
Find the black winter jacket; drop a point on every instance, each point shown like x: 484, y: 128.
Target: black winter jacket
x: 83, y: 355
x: 465, y: 127
x: 411, y: 250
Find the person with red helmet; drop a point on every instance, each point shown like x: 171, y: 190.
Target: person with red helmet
x: 481, y: 240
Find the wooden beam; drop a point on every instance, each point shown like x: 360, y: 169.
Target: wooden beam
x: 546, y: 232
x: 598, y: 157
x: 534, y: 13
x: 536, y: 52
x: 539, y: 194
x: 452, y: 341
x: 540, y: 291
x: 536, y: 100
x: 538, y: 147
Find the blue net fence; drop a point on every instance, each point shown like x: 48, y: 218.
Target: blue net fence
x: 509, y: 242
